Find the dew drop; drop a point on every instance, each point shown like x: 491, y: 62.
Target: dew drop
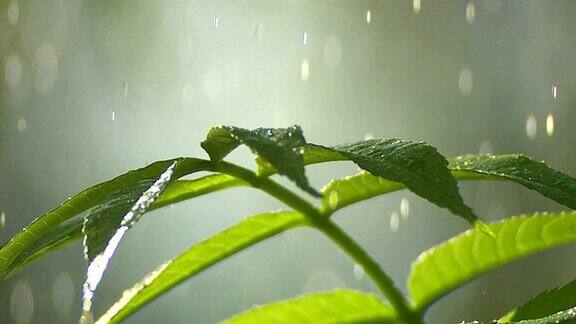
x: 531, y: 127
x: 13, y: 13
x: 550, y: 125
x: 13, y: 71
x: 394, y: 221
x: 305, y: 70
x: 470, y: 13
x: 358, y: 272
x: 465, y: 81
x: 22, y: 125
x: 368, y: 17
x: 22, y: 303
x: 416, y: 6
x: 404, y: 207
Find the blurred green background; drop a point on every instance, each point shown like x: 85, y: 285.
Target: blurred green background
x: 90, y: 89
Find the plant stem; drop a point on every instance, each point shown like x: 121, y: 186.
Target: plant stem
x: 372, y: 268
x: 330, y: 229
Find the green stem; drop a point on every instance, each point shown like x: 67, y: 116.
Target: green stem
x: 372, y: 269
x: 330, y: 229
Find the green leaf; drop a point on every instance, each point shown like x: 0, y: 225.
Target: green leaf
x: 339, y: 306
x: 346, y: 191
x: 185, y: 189
x: 418, y: 165
x: 545, y: 304
x: 79, y: 203
x: 103, y: 234
x: 447, y: 266
x: 201, y: 256
x: 534, y: 175
x: 71, y: 229
x: 103, y: 220
x: 281, y: 147
x: 312, y: 154
x: 565, y: 316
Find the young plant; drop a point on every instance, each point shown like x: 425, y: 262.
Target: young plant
x: 388, y: 165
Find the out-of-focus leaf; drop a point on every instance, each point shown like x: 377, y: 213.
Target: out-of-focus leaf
x: 281, y: 147
x: 449, y: 265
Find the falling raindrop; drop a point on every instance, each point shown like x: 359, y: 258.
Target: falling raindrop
x: 470, y: 13
x: 113, y: 115
x: 332, y: 52
x: 417, y: 6
x: 22, y: 303
x: 257, y: 31
x: 404, y: 207
x: 188, y: 93
x: 13, y: 71
x: 550, y: 125
x: 368, y: 16
x: 305, y: 38
x: 358, y: 272
x: 22, y: 125
x: 125, y: 89
x: 465, y: 81
x: 531, y: 127
x: 2, y: 220
x: 63, y: 293
x: 394, y: 221
x: 554, y: 91
x: 216, y: 22
x: 305, y: 70
x: 13, y: 12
